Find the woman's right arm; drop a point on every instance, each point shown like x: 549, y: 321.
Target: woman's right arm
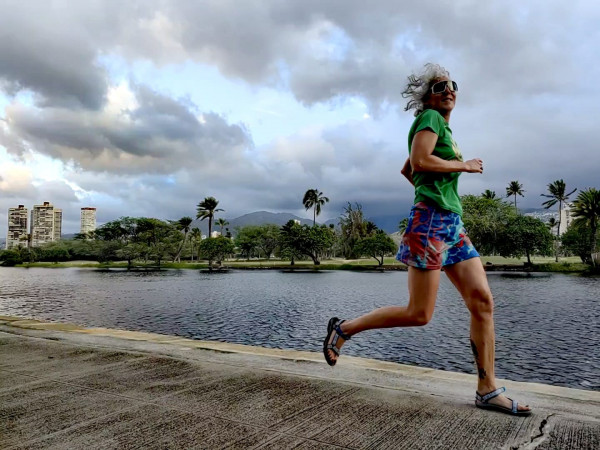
x: 422, y: 158
x: 407, y: 171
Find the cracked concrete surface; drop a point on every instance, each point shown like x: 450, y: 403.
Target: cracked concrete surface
x: 63, y: 386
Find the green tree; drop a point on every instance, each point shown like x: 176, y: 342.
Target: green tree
x: 11, y: 257
x: 577, y: 241
x: 586, y: 212
x: 527, y: 236
x: 184, y: 225
x: 370, y: 228
x: 485, y: 219
x: 222, y: 223
x: 268, y: 239
x: 403, y: 225
x: 304, y: 240
x: 55, y: 252
x: 156, y: 238
x: 206, y: 210
x: 352, y: 228
x: 557, y: 194
x: 489, y: 194
x: 247, y: 240
x: 195, y: 238
x: 287, y: 239
x: 514, y: 188
x: 113, y: 236
x: 216, y: 249
x: 315, y: 199
x: 376, y: 246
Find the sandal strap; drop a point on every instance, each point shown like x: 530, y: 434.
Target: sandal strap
x: 339, y: 331
x: 490, y: 395
x: 334, y: 349
x: 515, y: 405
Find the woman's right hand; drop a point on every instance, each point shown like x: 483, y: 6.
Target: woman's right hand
x: 474, y: 166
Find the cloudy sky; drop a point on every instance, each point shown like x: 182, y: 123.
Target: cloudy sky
x: 143, y: 108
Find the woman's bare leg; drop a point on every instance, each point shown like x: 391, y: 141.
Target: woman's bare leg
x: 471, y: 281
x: 422, y: 287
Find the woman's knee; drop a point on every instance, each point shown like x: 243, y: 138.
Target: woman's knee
x: 420, y: 317
x: 481, y: 303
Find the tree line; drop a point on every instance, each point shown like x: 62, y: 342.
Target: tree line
x: 498, y: 228
x: 495, y: 226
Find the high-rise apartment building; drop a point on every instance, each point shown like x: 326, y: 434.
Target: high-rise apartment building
x: 88, y: 220
x: 17, y: 227
x: 46, y: 224
x: 566, y: 217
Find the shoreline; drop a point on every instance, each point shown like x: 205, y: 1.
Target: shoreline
x: 172, y: 340
x: 560, y: 267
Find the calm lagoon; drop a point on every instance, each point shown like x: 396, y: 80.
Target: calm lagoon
x: 547, y: 325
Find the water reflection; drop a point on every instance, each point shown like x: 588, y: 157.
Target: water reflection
x: 547, y: 326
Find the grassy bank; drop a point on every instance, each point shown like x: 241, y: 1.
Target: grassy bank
x: 540, y: 264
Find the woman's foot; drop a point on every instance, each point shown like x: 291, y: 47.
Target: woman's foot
x: 493, y: 399
x: 334, y: 340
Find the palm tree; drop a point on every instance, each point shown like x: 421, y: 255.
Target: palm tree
x: 557, y: 195
x: 489, y: 194
x: 195, y: 236
x: 183, y: 224
x: 222, y: 223
x: 515, y: 188
x: 314, y: 199
x: 586, y: 211
x: 403, y: 225
x: 370, y: 228
x: 206, y: 209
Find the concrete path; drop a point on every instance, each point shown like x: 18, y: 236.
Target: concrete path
x: 62, y: 386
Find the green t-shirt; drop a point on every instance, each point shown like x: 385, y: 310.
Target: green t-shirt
x: 441, y: 189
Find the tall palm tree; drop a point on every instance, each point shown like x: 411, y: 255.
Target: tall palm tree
x: 515, y: 188
x: 206, y: 210
x: 403, y: 225
x: 557, y: 195
x: 195, y: 237
x: 183, y: 224
x: 489, y: 194
x: 222, y: 223
x: 586, y: 211
x: 314, y: 199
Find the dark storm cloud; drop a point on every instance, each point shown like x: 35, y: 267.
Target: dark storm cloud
x: 160, y: 134
x: 323, y: 50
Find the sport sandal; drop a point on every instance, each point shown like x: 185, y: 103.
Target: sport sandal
x: 333, y: 327
x: 482, y: 401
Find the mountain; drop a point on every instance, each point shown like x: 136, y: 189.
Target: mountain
x: 389, y: 224
x: 255, y: 218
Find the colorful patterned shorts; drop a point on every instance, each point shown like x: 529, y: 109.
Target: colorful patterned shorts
x: 434, y: 238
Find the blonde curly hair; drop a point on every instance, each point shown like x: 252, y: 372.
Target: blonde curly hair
x: 419, y: 84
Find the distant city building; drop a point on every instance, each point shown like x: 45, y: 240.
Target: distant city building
x: 46, y: 224
x: 88, y: 220
x: 17, y: 227
x: 565, y: 218
x: 215, y: 234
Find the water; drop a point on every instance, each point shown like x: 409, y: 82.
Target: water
x: 547, y: 327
